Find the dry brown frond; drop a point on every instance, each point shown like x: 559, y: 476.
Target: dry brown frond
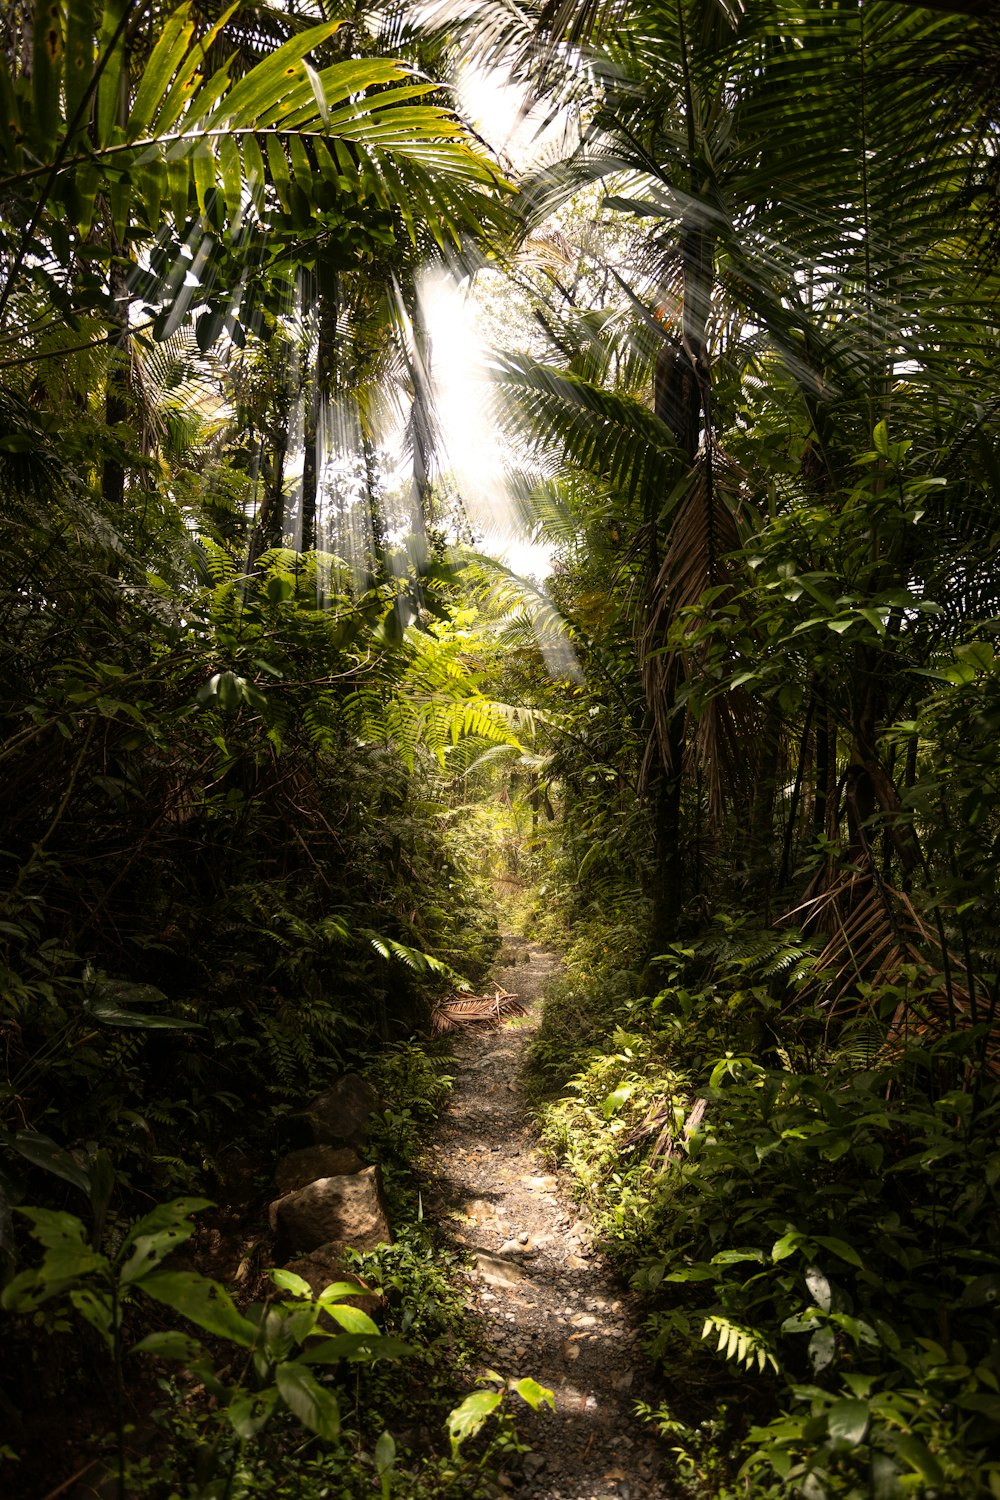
x: 487, y: 1011
x: 660, y: 1120
x: 877, y: 938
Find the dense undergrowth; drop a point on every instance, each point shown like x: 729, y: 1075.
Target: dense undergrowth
x: 811, y: 1213
x: 234, y: 867
x: 282, y: 1394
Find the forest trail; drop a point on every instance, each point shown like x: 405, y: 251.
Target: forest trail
x: 549, y: 1306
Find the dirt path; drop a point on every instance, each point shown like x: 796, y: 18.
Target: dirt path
x: 550, y: 1308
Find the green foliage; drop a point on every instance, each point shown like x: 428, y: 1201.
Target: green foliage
x: 284, y: 1347
x: 830, y: 1232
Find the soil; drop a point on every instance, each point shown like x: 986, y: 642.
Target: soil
x: 550, y: 1307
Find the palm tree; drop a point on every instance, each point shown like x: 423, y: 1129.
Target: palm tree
x: 806, y: 175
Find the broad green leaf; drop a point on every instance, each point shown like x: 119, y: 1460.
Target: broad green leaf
x: 202, y: 161
x: 152, y: 186
x: 29, y: 1290
x: 104, y: 1005
x: 351, y: 1319
x: 289, y: 1282
x: 919, y: 1457
x: 54, y: 1230
x: 249, y: 1414
x: 43, y: 1152
x: 339, y: 82
x: 840, y: 1248
x: 847, y: 1420
x: 616, y: 1099
x: 280, y: 178
x: 316, y: 84
x: 207, y: 1305
x: 315, y: 1406
x: 102, y: 1185
x: 355, y: 1346
x: 96, y: 1308
x: 822, y: 1349
x: 256, y: 173
x: 169, y: 1344
x: 819, y: 1287
x: 469, y: 1416
x: 280, y: 587
x: 164, y: 1216
x: 179, y: 189
x: 336, y: 1291
x: 385, y: 1454
x: 536, y: 1395
x: 150, y: 1249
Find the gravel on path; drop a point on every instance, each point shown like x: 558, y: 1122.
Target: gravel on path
x: 549, y: 1306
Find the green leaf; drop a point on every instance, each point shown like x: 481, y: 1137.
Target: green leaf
x: 289, y: 1282
x: 880, y: 438
x: 109, y: 90
x: 232, y: 176
x: 182, y: 90
x: 822, y: 1349
x: 170, y: 1343
x: 81, y: 23
x: 163, y: 1216
x: 280, y: 587
x: 385, y: 1454
x: 536, y: 1395
x: 96, y: 1308
x: 48, y: 49
x: 279, y: 77
x: 840, y: 1248
x: 847, y: 1421
x: 105, y: 1005
x: 229, y: 691
x: 102, y: 1185
x: 249, y: 1414
x: 164, y: 60
x: 469, y: 1416
x: 151, y: 1249
x: 207, y: 1305
x: 351, y: 1319
x: 819, y: 1287
x: 315, y: 1406
x: 43, y: 1152
x: 354, y: 1346
x: 616, y: 1099
x: 919, y: 1457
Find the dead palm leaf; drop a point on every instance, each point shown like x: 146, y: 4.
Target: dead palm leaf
x: 486, y: 1011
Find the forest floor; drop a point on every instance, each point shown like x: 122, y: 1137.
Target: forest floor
x: 549, y: 1306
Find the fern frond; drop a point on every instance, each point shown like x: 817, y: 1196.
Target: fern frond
x: 746, y: 1346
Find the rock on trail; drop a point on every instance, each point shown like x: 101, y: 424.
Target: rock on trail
x: 550, y: 1307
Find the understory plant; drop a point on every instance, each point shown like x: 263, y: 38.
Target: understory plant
x: 813, y: 1218
x: 274, y: 1373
